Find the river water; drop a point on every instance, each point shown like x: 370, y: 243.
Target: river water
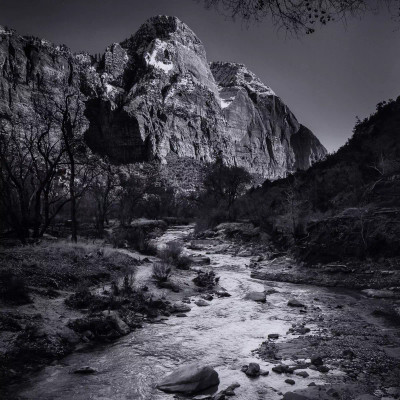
x: 222, y: 335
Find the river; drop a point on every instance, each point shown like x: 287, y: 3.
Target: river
x: 222, y: 335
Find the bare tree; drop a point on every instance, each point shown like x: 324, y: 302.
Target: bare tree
x: 224, y: 184
x: 16, y: 177
x: 69, y: 112
x: 105, y: 189
x: 300, y: 16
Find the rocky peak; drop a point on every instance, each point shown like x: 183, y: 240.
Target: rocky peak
x: 164, y: 28
x: 154, y: 96
x: 228, y: 74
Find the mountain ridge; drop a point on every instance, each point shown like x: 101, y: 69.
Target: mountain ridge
x: 155, y: 94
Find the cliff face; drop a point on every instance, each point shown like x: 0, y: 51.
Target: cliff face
x: 257, y: 121
x: 161, y: 98
x: 155, y: 95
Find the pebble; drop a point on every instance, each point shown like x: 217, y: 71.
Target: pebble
x: 273, y: 336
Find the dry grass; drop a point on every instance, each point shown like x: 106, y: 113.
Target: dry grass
x: 62, y: 264
x: 161, y: 271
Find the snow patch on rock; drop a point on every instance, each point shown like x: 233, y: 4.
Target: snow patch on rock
x: 153, y: 58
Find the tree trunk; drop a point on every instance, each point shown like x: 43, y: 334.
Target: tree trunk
x: 74, y: 225
x: 37, y: 217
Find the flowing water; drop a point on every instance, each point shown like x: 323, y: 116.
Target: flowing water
x: 222, y: 335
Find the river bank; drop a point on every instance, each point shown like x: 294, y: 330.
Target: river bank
x: 359, y: 349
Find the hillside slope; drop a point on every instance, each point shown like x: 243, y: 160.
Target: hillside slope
x: 347, y: 206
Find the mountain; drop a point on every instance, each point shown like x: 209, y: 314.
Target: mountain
x: 155, y: 96
x: 344, y: 207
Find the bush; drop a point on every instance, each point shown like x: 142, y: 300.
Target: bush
x: 183, y: 262
x: 206, y: 279
x: 209, y: 219
x: 148, y: 248
x: 171, y: 252
x: 127, y: 285
x: 83, y: 298
x: 135, y: 238
x: 161, y: 271
x: 13, y: 289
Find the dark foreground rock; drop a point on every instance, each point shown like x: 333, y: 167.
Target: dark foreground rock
x: 329, y: 392
x: 192, y: 378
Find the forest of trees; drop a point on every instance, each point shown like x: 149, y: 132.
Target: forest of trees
x: 51, y: 182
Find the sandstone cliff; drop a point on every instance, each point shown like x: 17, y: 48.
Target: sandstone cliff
x: 155, y: 95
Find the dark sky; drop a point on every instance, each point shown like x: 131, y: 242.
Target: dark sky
x: 326, y: 78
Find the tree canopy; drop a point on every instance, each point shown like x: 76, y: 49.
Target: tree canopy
x: 301, y: 16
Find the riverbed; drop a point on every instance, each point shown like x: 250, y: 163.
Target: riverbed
x: 223, y: 335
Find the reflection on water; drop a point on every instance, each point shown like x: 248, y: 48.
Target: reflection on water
x: 222, y: 335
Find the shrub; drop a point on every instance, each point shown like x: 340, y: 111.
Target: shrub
x: 135, y: 238
x: 13, y: 289
x: 171, y: 252
x: 127, y: 285
x: 83, y: 298
x: 161, y: 271
x: 148, y: 248
x: 206, y: 279
x: 183, y: 262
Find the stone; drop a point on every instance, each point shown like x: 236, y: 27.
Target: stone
x: 316, y: 360
x: 199, y: 260
x: 294, y: 396
x: 290, y: 381
x: 379, y: 294
x: 264, y: 373
x: 201, y: 303
x: 189, y: 379
x: 294, y: 303
x: 230, y: 390
x: 180, y: 308
x: 332, y: 392
x: 273, y: 336
x: 303, y: 374
x: 253, y: 370
x: 256, y: 296
x: 86, y: 370
x: 323, y: 368
x: 222, y: 293
x: 120, y: 325
x: 280, y: 369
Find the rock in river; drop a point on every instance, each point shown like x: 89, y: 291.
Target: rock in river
x: 317, y: 360
x: 252, y: 370
x: 295, y: 303
x: 256, y: 296
x: 202, y: 303
x: 180, y: 308
x: 189, y: 379
x: 86, y: 370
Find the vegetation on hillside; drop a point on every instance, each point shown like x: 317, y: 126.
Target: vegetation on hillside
x: 357, y: 188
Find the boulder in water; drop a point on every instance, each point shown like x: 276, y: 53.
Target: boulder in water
x: 256, y: 296
x: 189, y: 379
x: 253, y: 370
x: 202, y: 303
x: 295, y: 303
